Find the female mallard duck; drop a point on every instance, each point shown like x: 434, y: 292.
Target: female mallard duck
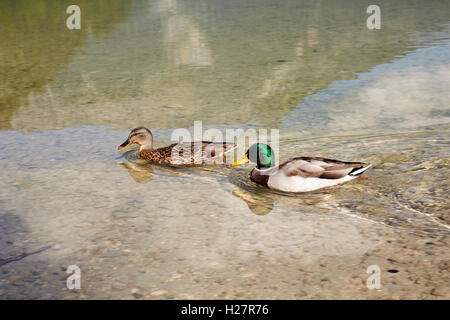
x: 300, y: 174
x: 184, y: 154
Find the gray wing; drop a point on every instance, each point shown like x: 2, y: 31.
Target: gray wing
x: 319, y: 167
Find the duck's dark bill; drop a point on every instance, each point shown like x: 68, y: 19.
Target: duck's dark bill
x: 123, y: 145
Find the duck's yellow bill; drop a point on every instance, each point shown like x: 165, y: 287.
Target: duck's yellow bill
x: 240, y: 162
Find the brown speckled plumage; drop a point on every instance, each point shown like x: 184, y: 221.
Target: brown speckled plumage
x: 160, y: 155
x: 186, y: 154
x: 178, y: 154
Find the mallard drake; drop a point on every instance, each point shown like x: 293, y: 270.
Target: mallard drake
x: 300, y: 174
x: 184, y: 154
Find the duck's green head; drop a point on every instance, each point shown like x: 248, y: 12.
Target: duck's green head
x: 259, y: 153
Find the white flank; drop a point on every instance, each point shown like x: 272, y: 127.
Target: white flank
x: 300, y: 184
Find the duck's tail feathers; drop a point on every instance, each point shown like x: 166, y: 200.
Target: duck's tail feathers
x: 360, y: 171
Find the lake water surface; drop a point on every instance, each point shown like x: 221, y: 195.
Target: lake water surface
x: 310, y: 69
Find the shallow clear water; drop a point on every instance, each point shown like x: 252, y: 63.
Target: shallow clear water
x: 310, y: 69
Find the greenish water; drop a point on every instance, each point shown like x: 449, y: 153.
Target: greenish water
x: 311, y: 69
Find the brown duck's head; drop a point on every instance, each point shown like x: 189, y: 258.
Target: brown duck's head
x: 141, y: 136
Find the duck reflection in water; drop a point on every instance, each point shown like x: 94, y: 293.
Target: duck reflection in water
x: 139, y: 173
x: 263, y: 203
